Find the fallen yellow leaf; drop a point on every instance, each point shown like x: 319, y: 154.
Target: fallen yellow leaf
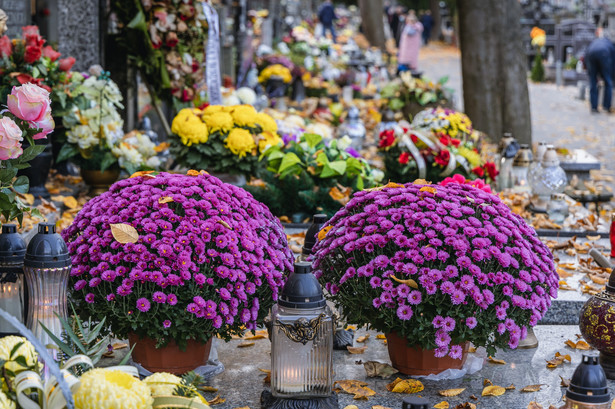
x: 421, y: 182
x: 193, y: 172
x: 342, y: 195
x: 429, y: 189
x: 405, y: 386
x: 27, y: 198
x: 124, y: 233
x: 217, y: 400
x: 208, y: 389
x: 409, y: 282
x: 356, y: 350
x: 532, y: 388
x: 70, y: 202
x: 381, y: 336
x: 165, y: 199
x: 225, y: 224
x: 380, y: 407
x: 496, y: 361
x: 493, y: 390
x: 145, y: 173
x: 441, y: 405
x: 363, y: 338
x: 254, y: 337
x: 451, y: 392
x: 351, y: 407
x: 245, y: 344
x: 357, y: 388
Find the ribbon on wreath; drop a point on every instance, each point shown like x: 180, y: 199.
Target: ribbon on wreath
x: 212, y: 55
x: 435, y: 145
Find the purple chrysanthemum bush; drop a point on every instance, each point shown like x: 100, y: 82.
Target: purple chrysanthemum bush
x: 438, y: 265
x: 209, y: 259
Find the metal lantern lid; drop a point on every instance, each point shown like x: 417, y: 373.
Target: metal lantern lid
x: 523, y: 158
x: 588, y: 383
x: 47, y: 249
x: 12, y: 245
x: 310, y: 237
x: 302, y: 290
x: 415, y: 402
x: 353, y: 114
x: 550, y: 157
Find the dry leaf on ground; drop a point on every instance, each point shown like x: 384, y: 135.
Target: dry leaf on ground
x: 441, y: 405
x: 558, y: 360
x: 267, y: 378
x: 165, y: 199
x: 245, y: 344
x: 208, y: 389
x: 534, y: 405
x: 356, y: 350
x: 357, y: 388
x: 496, y: 361
x: 405, y: 386
x: 216, y: 401
x: 465, y: 405
x: 351, y: 407
x: 532, y: 388
x: 510, y: 388
x: 374, y: 368
x: 253, y: 337
x: 564, y: 382
x: 363, y: 338
x: 124, y: 233
x: 493, y: 390
x: 380, y: 407
x: 451, y: 392
x: 581, y: 344
x: 380, y: 336
x: 487, y: 382
x: 409, y: 282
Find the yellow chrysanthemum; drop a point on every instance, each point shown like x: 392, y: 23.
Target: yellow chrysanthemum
x: 212, y: 109
x: 219, y: 121
x: 266, y: 123
x: 240, y: 142
x: 267, y: 139
x: 244, y: 115
x: 26, y: 350
x: 189, y: 127
x: 110, y: 389
x: 277, y: 70
x: 470, y: 155
x: 5, y: 402
x: 164, y: 384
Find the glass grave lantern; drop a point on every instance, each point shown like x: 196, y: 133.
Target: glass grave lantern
x: 588, y: 387
x: 12, y: 281
x: 47, y: 267
x: 301, y: 345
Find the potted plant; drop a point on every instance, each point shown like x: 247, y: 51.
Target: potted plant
x: 95, y: 139
x: 438, y: 143
x: 435, y: 267
x: 174, y: 260
x: 309, y: 175
x: 411, y: 95
x: 276, y: 79
x: 224, y: 140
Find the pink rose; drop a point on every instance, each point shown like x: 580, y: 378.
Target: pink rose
x: 6, y: 47
x: 46, y: 126
x: 67, y: 63
x: 50, y: 53
x: 29, y: 102
x: 10, y: 139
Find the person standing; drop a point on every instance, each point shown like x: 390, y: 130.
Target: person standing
x: 410, y: 43
x: 427, y: 22
x: 599, y: 59
x: 326, y: 16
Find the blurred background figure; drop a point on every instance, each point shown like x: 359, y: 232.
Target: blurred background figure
x: 326, y: 16
x: 410, y: 43
x: 427, y: 21
x: 599, y: 59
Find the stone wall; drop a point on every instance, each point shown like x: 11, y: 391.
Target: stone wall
x: 79, y: 31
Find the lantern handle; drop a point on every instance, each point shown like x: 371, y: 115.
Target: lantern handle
x: 42, y: 351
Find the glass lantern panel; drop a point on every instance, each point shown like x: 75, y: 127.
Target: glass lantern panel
x: 298, y: 370
x: 11, y: 300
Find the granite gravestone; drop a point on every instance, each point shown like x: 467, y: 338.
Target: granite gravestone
x: 79, y: 31
x: 18, y: 12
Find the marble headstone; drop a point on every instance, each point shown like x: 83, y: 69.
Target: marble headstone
x: 18, y: 12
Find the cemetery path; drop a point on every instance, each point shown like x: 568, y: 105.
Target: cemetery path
x: 558, y: 116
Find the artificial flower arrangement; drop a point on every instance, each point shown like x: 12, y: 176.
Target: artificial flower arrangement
x: 27, y: 118
x: 200, y: 258
x: 410, y: 95
x: 440, y: 142
x: 224, y: 139
x: 92, y: 388
x: 166, y: 40
x: 311, y: 175
x: 437, y: 265
x: 95, y: 139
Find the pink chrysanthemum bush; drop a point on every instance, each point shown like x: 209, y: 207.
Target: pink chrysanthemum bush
x: 438, y: 265
x: 209, y: 259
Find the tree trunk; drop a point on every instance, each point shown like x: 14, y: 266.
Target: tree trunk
x: 436, y: 30
x: 372, y: 15
x: 495, y: 90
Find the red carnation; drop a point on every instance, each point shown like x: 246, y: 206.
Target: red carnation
x: 32, y: 54
x: 67, y: 63
x: 443, y: 157
x: 480, y: 172
x: 50, y: 53
x: 404, y: 158
x: 455, y: 142
x: 414, y: 138
x: 491, y: 170
x: 6, y: 47
x: 387, y: 138
x: 445, y: 140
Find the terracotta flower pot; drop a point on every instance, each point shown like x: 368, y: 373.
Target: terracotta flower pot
x: 169, y: 358
x: 99, y: 182
x: 417, y: 361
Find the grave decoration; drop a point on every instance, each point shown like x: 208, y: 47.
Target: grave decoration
x: 438, y: 266
x: 174, y: 260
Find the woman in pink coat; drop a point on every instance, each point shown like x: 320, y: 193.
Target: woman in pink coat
x: 409, y: 44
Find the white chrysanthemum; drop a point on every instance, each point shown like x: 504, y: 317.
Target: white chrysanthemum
x: 26, y: 350
x: 320, y: 129
x: 246, y: 95
x: 110, y: 389
x: 5, y: 402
